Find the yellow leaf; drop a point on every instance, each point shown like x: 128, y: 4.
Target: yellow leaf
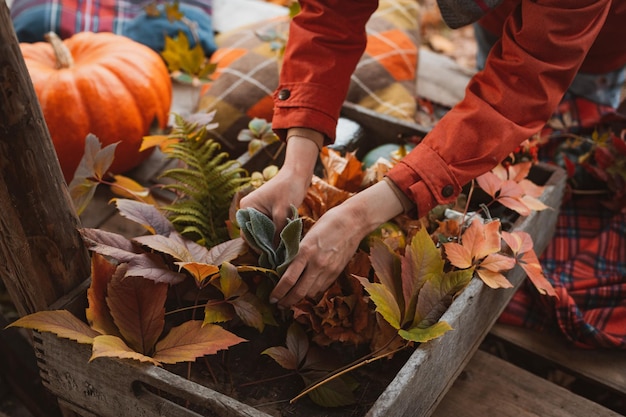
x: 129, y: 188
x: 493, y: 279
x: 199, y: 271
x: 417, y: 334
x: 60, y: 322
x: 385, y: 302
x: 106, y: 346
x: 192, y: 340
x: 162, y: 141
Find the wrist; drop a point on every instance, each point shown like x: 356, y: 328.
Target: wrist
x: 301, y: 155
x: 374, y: 206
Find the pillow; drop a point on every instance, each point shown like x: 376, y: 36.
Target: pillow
x: 34, y: 18
x: 248, y: 69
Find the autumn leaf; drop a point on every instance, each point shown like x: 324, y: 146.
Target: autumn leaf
x: 137, y: 306
x: 146, y: 215
x: 191, y: 340
x: 60, y: 322
x: 97, y: 313
x: 162, y: 141
x: 92, y: 167
x: 426, y: 290
x: 509, y: 187
x: 297, y: 346
x: 343, y: 172
x: 521, y: 245
x: 141, y: 264
x: 181, y: 57
x: 107, y: 346
x: 128, y: 188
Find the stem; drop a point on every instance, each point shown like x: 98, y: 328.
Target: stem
x: 63, y: 55
x: 261, y: 381
x: 350, y: 367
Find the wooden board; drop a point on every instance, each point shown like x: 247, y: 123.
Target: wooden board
x: 490, y: 386
x: 603, y: 367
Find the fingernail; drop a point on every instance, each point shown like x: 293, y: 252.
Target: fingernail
x: 273, y: 300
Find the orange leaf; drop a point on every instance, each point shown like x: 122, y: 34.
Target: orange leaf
x: 493, y: 279
x: 162, y: 141
x: 458, y: 255
x: 192, y: 340
x: 60, y: 322
x: 497, y: 262
x: 113, y: 347
x: 98, y: 315
x: 199, y: 271
x: 490, y: 183
x: 345, y: 173
x: 129, y: 188
x: 530, y: 264
x: 137, y: 305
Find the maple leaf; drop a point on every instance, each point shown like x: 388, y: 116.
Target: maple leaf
x: 181, y: 57
x: 521, y: 245
x: 60, y: 322
x: 92, y: 168
x: 193, y: 339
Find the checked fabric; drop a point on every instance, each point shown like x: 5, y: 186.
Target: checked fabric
x: 586, y: 259
x: 248, y: 69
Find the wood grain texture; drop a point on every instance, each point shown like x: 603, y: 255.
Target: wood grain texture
x: 492, y: 387
x: 42, y: 256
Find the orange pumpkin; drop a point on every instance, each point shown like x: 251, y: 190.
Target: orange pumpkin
x: 99, y: 83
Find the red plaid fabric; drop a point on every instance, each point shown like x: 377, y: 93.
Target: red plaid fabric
x: 585, y: 261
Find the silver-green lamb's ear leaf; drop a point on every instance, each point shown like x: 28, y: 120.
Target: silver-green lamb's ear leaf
x: 289, y: 241
x: 258, y: 230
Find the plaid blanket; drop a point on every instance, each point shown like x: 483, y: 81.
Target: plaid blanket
x: 586, y: 259
x: 33, y: 18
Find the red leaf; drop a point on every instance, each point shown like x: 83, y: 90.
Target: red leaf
x: 138, y: 309
x: 98, y: 315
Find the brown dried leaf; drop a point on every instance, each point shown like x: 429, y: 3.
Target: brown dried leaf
x: 107, y: 346
x: 192, y: 340
x: 137, y: 306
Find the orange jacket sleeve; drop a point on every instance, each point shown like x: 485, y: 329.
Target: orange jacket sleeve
x: 542, y: 46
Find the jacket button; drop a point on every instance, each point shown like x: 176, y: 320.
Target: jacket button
x: 284, y: 94
x: 447, y: 191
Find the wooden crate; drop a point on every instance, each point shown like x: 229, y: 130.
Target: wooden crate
x: 114, y: 387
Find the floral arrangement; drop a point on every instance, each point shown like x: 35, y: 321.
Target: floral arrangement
x: 192, y: 286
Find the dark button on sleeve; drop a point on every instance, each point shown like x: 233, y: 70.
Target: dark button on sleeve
x: 284, y: 94
x: 447, y: 191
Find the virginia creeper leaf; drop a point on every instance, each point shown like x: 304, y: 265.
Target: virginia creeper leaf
x: 385, y: 301
x: 192, y: 340
x: 60, y: 322
x: 114, y: 347
x: 421, y: 335
x: 218, y: 312
x: 138, y: 309
x: 337, y: 392
x: 387, y: 265
x: 97, y: 313
x: 146, y: 215
x: 128, y: 188
x: 248, y: 309
x: 283, y: 356
x: 200, y: 272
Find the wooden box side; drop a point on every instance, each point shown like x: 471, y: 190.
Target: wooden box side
x: 428, y: 374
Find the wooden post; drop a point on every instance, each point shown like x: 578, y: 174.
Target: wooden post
x: 42, y: 256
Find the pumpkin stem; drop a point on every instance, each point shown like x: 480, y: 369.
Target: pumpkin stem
x: 61, y: 51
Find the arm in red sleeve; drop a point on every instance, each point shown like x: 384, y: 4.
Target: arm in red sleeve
x: 527, y: 72
x: 326, y: 40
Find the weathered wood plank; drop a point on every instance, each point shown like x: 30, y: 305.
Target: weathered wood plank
x: 604, y: 367
x: 42, y: 256
x: 490, y: 386
x: 473, y: 313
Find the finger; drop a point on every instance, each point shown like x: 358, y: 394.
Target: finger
x: 288, y: 280
x: 298, y: 292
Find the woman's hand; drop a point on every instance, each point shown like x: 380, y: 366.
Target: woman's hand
x: 289, y: 186
x: 332, y: 242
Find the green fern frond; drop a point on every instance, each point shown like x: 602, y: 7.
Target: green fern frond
x: 205, y: 184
